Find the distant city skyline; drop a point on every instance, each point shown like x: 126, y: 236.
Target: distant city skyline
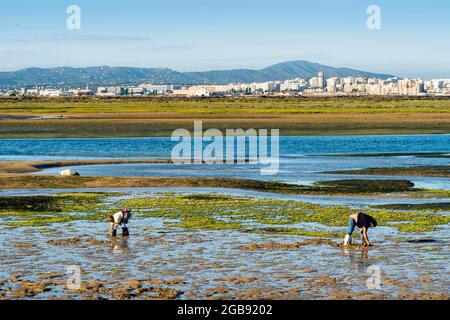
x: 317, y: 85
x: 199, y: 35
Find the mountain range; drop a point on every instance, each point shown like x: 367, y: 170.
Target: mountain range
x: 105, y: 75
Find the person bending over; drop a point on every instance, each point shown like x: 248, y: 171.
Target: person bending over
x: 363, y: 222
x: 119, y: 219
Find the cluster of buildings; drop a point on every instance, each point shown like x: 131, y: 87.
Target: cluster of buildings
x: 48, y: 92
x: 318, y: 85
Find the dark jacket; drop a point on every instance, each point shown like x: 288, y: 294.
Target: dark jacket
x: 364, y: 220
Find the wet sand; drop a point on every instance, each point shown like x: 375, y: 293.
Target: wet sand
x: 35, y: 166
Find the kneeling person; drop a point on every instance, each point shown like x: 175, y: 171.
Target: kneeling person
x: 119, y: 219
x: 363, y: 222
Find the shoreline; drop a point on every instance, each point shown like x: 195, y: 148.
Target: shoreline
x: 19, y: 167
x: 21, y: 175
x: 166, y: 134
x: 352, y: 188
x: 417, y: 171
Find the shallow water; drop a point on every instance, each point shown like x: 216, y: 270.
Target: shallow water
x: 301, y: 158
x: 305, y: 171
x: 212, y: 264
x: 26, y: 149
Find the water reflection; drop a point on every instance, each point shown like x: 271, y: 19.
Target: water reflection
x: 358, y: 259
x: 120, y: 245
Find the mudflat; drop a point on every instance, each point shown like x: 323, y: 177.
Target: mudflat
x: 197, y: 246
x: 418, y: 171
x: 138, y: 117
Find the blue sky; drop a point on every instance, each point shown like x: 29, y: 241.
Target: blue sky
x: 190, y: 35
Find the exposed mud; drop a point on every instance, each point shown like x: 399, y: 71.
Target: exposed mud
x: 17, y: 288
x: 295, y: 245
x: 422, y: 240
x: 351, y: 246
x: 308, y: 242
x: 423, y: 171
x: 64, y: 242
x: 78, y: 241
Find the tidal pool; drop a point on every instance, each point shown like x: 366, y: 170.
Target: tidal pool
x: 163, y: 261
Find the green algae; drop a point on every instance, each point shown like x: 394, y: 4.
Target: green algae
x: 434, y: 207
x: 206, y: 224
x: 353, y: 186
x: 207, y: 212
x: 419, y: 171
x: 296, y: 232
x: 63, y: 202
x: 221, y: 213
x: 38, y: 211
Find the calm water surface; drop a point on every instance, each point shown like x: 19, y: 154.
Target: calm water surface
x: 302, y: 159
x: 25, y: 149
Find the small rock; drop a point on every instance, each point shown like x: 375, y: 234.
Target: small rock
x: 68, y: 173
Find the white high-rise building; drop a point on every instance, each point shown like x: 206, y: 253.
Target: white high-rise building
x: 317, y: 82
x: 348, y: 80
x: 410, y: 87
x: 332, y: 84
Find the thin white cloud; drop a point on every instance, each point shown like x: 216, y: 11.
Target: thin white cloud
x: 80, y: 38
